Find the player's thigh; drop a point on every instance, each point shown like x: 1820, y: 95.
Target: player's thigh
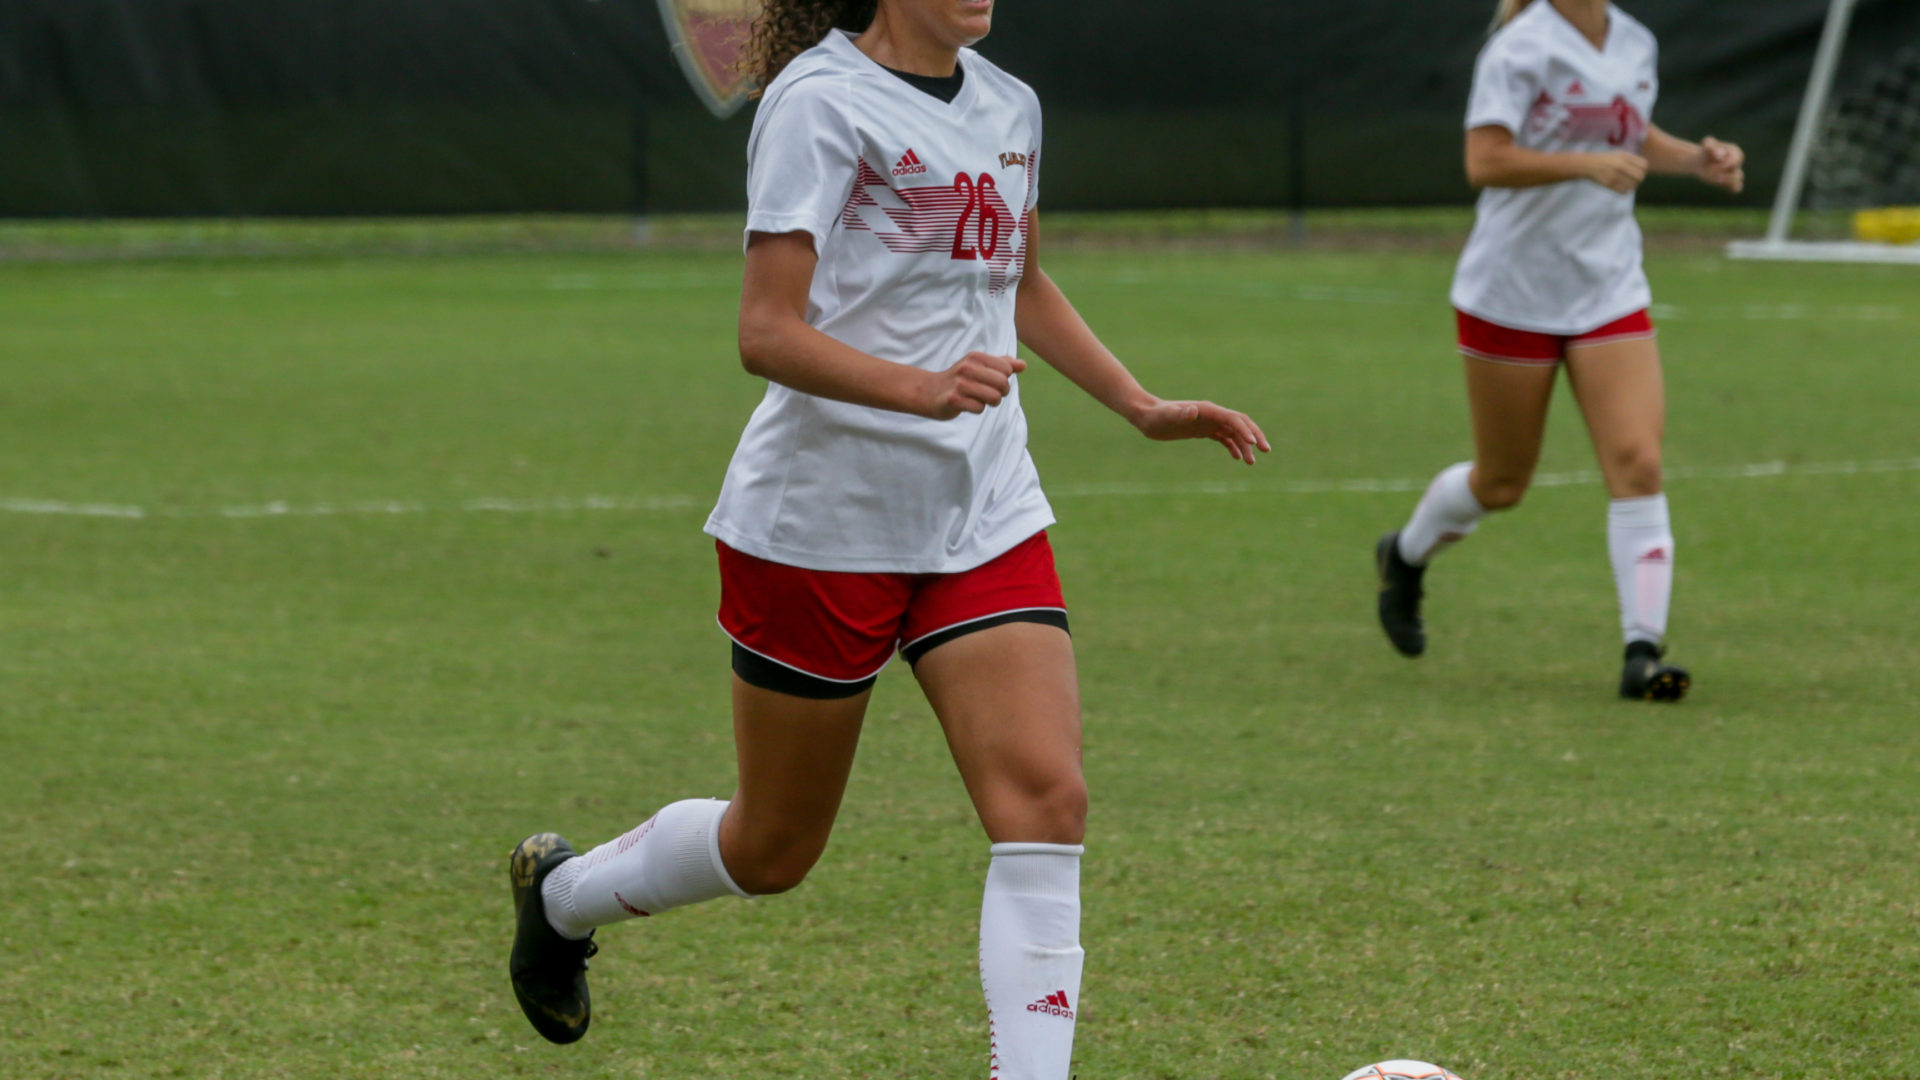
x: 807, y: 646
x: 794, y: 756
x: 1008, y: 699
x: 1509, y: 403
x: 1622, y: 393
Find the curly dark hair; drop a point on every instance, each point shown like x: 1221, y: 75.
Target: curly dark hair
x: 787, y: 28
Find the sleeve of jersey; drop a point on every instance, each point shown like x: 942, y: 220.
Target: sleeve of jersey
x: 1033, y: 155
x: 801, y: 160
x: 1504, y: 88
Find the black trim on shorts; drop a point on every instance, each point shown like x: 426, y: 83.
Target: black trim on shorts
x: 757, y: 670
x: 1043, y: 616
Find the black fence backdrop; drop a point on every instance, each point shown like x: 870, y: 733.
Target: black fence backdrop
x: 365, y: 107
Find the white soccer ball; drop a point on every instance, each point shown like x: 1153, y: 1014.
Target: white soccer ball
x: 1401, y: 1070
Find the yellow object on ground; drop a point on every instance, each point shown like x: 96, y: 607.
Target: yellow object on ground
x: 1889, y: 225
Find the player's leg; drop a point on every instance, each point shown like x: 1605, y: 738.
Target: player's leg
x: 807, y: 647
x: 1008, y: 700
x: 794, y: 755
x: 991, y: 651
x: 1509, y: 403
x: 1622, y: 394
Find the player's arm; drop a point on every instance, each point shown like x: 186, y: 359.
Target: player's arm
x: 777, y: 344
x: 1493, y: 160
x: 1049, y: 325
x: 1721, y: 164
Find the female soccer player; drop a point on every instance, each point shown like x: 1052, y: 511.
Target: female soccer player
x: 882, y: 498
x: 1559, y: 139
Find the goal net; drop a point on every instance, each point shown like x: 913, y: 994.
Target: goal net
x: 1855, y: 152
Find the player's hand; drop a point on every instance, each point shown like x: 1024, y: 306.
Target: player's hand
x: 1723, y: 164
x: 1617, y: 170
x: 974, y: 385
x: 1168, y: 420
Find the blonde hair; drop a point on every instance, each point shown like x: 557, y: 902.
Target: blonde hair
x: 1507, y: 10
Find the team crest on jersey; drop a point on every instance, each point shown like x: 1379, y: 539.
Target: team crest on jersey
x: 708, y: 38
x: 1012, y: 158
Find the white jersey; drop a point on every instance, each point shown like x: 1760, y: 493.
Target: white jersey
x: 918, y: 210
x: 1564, y: 258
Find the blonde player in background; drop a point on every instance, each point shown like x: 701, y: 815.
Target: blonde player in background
x: 1558, y: 138
x: 882, y: 498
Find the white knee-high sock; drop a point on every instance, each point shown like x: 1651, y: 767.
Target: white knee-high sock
x: 1447, y: 513
x: 671, y: 860
x: 1030, y: 959
x: 1640, y: 541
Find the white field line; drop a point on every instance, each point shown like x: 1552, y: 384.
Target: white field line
x: 645, y: 282
x: 1564, y: 479
x: 472, y: 506
x: 69, y: 509
x: 1309, y: 294
x: 1336, y: 294
x: 644, y: 504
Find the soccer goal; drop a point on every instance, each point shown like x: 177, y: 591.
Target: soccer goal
x: 1858, y: 152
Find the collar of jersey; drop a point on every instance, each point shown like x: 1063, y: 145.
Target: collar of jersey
x: 841, y: 41
x: 1566, y: 24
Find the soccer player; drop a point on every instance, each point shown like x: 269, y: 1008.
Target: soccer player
x: 1558, y: 138
x: 882, y: 499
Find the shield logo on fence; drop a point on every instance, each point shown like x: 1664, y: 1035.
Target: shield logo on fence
x: 708, y: 38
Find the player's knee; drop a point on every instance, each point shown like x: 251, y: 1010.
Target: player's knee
x: 1068, y: 810
x: 1636, y: 472
x: 774, y: 878
x: 780, y: 872
x: 1495, y: 492
x: 766, y: 864
x: 1056, y: 812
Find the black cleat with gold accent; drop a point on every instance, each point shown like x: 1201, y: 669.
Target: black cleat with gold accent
x: 549, y: 971
x: 1400, y: 593
x: 1647, y: 678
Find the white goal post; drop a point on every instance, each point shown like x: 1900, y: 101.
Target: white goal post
x: 1807, y: 134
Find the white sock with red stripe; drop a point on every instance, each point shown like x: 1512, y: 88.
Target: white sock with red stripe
x: 1446, y: 514
x: 670, y: 861
x: 1640, y: 541
x: 1030, y: 959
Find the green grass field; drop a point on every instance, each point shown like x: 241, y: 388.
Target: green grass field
x: 325, y: 579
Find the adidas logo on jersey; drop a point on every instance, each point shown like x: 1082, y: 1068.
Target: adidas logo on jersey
x: 909, y: 165
x: 1054, y: 1004
x: 1576, y: 89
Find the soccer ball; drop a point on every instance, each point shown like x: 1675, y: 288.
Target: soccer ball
x: 1401, y: 1070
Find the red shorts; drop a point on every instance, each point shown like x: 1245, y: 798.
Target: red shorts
x: 1505, y: 345
x: 825, y: 634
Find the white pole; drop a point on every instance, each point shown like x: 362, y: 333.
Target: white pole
x: 1813, y: 109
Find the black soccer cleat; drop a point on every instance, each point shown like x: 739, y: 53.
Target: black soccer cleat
x: 1400, y: 594
x: 549, y: 971
x: 1646, y: 678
